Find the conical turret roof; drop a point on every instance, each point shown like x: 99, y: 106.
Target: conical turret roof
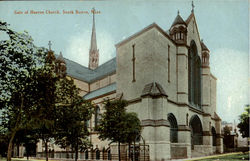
x: 203, y: 46
x: 178, y: 20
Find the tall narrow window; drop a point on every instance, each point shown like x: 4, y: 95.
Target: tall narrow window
x: 168, y: 63
x: 133, y: 60
x: 194, y: 76
x: 97, y: 116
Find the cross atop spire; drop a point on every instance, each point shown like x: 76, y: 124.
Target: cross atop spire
x: 178, y: 13
x: 50, y: 44
x: 193, y: 6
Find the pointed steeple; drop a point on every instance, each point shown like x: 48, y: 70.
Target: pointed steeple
x: 93, y: 51
x: 178, y: 20
x: 93, y: 45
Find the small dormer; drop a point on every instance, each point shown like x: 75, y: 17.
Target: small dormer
x: 61, y: 66
x: 178, y: 30
x: 205, y: 55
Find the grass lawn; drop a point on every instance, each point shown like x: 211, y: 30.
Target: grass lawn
x: 23, y: 159
x: 232, y: 157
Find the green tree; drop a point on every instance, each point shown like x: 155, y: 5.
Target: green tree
x: 132, y: 128
x: 118, y: 126
x: 72, y: 113
x: 244, y: 122
x: 44, y: 115
x: 19, y: 58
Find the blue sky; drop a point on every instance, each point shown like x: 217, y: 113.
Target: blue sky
x: 223, y: 25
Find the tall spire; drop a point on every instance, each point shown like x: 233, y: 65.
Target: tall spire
x: 93, y: 45
x: 93, y: 51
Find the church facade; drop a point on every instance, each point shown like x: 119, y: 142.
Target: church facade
x: 165, y: 76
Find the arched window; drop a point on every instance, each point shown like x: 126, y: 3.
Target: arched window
x: 194, y: 76
x: 196, y: 131
x: 97, y: 116
x: 214, y: 136
x: 97, y: 154
x: 173, y: 128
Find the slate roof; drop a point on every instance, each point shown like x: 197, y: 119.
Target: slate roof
x: 178, y: 20
x: 100, y: 91
x: 85, y: 74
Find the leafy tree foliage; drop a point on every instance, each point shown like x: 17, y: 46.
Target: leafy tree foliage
x: 72, y: 113
x: 244, y: 122
x: 19, y: 59
x: 44, y: 115
x: 117, y: 125
x: 34, y: 101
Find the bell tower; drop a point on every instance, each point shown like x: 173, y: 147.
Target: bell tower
x: 178, y: 30
x: 93, y: 51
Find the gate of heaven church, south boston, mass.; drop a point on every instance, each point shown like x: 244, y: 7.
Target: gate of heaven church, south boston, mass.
x: 165, y: 76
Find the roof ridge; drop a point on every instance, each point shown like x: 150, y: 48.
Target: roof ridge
x: 105, y: 63
x: 189, y: 18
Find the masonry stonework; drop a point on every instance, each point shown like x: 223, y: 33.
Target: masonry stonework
x: 165, y: 76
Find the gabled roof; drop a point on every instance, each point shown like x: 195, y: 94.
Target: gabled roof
x: 99, y: 92
x: 178, y: 20
x: 189, y: 17
x: 216, y: 116
x: 85, y: 74
x: 153, y: 25
x: 153, y: 89
x: 203, y: 46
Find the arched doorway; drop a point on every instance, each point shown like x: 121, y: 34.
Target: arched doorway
x: 214, y: 136
x: 196, y: 131
x: 173, y: 128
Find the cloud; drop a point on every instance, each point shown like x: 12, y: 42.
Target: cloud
x: 231, y: 68
x: 79, y: 44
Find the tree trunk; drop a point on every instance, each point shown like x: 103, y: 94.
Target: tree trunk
x: 129, y: 152
x: 119, y: 151
x: 18, y: 150
x: 134, y: 152
x: 76, y: 152
x: 15, y: 130
x: 46, y: 150
x: 10, y: 145
x: 27, y: 155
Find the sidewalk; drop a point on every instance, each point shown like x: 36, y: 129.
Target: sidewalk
x: 206, y: 157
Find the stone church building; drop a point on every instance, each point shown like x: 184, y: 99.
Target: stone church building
x: 165, y: 76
